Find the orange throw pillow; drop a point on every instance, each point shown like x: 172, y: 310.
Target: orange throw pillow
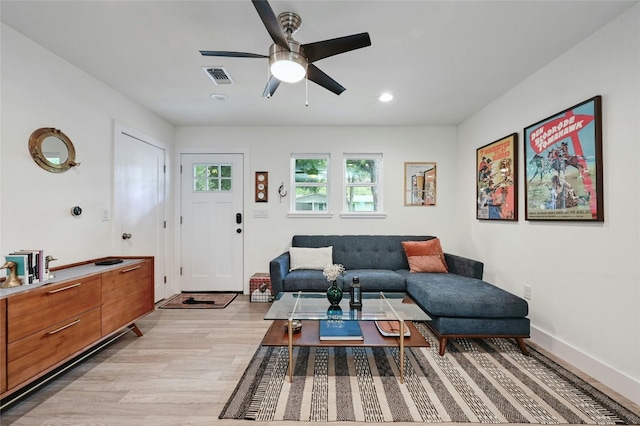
x: 425, y: 256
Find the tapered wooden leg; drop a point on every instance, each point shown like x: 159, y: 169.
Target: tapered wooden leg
x: 290, y: 329
x: 522, y: 346
x: 443, y: 345
x: 136, y: 330
x: 401, y: 351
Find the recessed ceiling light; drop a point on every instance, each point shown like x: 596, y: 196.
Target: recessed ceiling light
x: 385, y: 97
x: 218, y: 97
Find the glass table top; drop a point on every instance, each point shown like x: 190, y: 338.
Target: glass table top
x: 315, y: 306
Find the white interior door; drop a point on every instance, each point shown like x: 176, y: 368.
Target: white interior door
x: 212, y: 222
x: 140, y: 195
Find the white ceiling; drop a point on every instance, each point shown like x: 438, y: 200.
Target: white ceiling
x: 443, y: 60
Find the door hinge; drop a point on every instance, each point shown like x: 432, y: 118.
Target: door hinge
x: 165, y: 224
x: 180, y: 168
x: 164, y: 169
x: 181, y: 271
x: 180, y: 220
x: 165, y: 279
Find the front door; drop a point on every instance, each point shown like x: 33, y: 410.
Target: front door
x: 140, y: 195
x: 212, y: 222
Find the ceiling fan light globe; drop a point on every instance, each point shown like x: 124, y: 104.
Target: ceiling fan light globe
x: 288, y: 71
x: 289, y: 66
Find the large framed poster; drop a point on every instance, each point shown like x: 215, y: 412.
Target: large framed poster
x: 497, y: 179
x: 563, y: 165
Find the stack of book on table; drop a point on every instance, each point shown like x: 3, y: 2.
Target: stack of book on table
x: 340, y: 330
x: 30, y: 265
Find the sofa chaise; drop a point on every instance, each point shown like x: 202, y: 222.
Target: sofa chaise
x: 458, y: 301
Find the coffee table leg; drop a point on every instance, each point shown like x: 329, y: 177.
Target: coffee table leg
x: 290, y: 328
x: 401, y: 351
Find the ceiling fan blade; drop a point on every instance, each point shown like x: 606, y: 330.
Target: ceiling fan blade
x: 231, y: 54
x: 271, y: 87
x: 314, y: 74
x: 323, y: 49
x: 271, y: 22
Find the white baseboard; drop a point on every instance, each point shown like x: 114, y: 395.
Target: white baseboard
x: 614, y: 379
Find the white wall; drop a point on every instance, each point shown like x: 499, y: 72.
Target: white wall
x: 40, y: 89
x: 585, y: 277
x: 270, y: 150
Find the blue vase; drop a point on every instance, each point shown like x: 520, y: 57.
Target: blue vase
x: 334, y: 294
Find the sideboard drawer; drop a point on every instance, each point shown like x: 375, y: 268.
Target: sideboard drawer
x: 39, y: 351
x: 34, y: 310
x: 127, y: 294
x: 120, y: 284
x: 3, y: 345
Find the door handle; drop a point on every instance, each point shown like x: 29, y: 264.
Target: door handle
x: 126, y: 236
x: 238, y: 218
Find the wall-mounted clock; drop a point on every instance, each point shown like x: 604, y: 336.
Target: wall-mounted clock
x: 262, y: 187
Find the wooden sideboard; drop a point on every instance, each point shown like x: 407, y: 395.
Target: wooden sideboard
x: 44, y: 327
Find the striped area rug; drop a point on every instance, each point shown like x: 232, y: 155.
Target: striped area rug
x: 477, y: 381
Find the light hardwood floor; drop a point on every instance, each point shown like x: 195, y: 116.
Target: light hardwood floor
x: 182, y: 371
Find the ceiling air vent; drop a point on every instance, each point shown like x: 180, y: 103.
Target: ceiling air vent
x: 218, y: 75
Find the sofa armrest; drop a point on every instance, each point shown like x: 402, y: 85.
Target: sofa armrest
x: 463, y: 266
x: 278, y: 269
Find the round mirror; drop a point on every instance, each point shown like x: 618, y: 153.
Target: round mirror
x: 52, y: 150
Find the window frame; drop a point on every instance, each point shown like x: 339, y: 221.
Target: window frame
x: 379, y: 213
x: 293, y: 185
x: 220, y: 178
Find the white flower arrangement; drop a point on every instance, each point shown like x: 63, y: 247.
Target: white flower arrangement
x: 331, y: 272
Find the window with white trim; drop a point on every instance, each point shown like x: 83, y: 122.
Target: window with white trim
x: 310, y: 183
x: 362, y: 189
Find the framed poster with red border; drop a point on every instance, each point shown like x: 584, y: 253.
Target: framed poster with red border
x: 497, y: 180
x: 563, y: 165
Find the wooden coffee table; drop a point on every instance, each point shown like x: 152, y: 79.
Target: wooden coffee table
x: 311, y: 308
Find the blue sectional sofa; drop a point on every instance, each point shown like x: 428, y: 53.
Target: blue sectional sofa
x: 459, y: 302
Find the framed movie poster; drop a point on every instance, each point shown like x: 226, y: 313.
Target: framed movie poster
x: 497, y: 179
x: 563, y: 165
x: 419, y: 184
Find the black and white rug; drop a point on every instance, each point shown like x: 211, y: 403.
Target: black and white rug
x: 477, y: 381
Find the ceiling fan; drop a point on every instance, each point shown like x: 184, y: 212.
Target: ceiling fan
x: 290, y: 61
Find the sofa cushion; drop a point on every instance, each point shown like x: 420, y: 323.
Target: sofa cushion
x: 310, y: 258
x: 362, y: 251
x: 425, y: 256
x: 307, y: 280
x: 375, y: 280
x: 451, y: 295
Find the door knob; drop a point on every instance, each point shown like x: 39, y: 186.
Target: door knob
x: 126, y: 236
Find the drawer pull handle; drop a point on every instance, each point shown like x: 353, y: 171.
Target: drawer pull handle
x: 64, y: 288
x: 63, y: 327
x: 130, y: 269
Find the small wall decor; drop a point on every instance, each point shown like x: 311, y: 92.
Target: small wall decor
x: 419, y: 184
x: 497, y: 179
x: 52, y: 150
x: 563, y: 165
x: 262, y: 187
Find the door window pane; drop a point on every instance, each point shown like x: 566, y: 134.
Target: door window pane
x: 211, y: 177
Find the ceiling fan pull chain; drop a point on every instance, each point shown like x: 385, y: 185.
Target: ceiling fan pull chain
x: 306, y: 92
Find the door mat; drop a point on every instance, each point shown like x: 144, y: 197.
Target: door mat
x: 199, y: 301
x: 477, y: 381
